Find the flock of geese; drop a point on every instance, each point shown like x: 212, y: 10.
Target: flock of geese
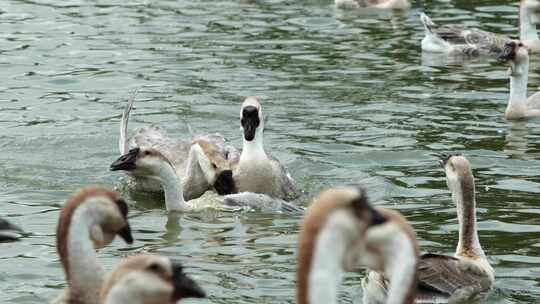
x: 341, y: 231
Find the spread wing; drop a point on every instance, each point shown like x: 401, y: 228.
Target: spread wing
x: 446, y: 274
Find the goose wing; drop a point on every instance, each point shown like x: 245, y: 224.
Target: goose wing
x: 446, y: 275
x: 288, y: 185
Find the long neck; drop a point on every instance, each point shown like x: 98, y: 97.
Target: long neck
x: 172, y: 187
x: 85, y: 273
x: 194, y: 184
x: 527, y: 29
x: 464, y: 198
x: 518, y: 87
x: 401, y: 261
x: 253, y: 150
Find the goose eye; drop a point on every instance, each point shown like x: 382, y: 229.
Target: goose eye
x: 520, y: 44
x: 147, y: 153
x: 154, y: 267
x: 214, y: 166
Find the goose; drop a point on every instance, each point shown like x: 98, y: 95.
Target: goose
x: 153, y: 164
x: 384, y: 4
x: 91, y: 218
x: 340, y: 232
x: 442, y: 278
x: 200, y: 166
x: 8, y: 231
x: 256, y: 171
x: 519, y: 105
x: 457, y: 39
x: 148, y: 279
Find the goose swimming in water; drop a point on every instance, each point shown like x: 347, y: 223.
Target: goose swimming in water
x: 256, y: 171
x: 200, y: 166
x: 453, y: 279
x: 384, y: 4
x: 90, y: 218
x: 341, y: 232
x: 8, y: 231
x: 148, y: 279
x: 519, y: 105
x: 457, y: 39
x: 151, y: 163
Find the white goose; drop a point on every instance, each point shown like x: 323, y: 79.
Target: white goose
x: 256, y: 171
x: 457, y: 39
x: 453, y: 279
x: 340, y: 232
x: 384, y: 4
x: 8, y: 231
x: 519, y: 105
x: 148, y: 279
x: 151, y: 163
x: 198, y: 168
x: 91, y: 217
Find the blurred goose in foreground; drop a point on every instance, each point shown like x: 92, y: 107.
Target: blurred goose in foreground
x: 8, y: 231
x: 454, y: 279
x: 457, y: 39
x: 384, y: 4
x: 200, y: 162
x: 90, y: 218
x: 341, y: 232
x: 154, y: 165
x: 256, y: 171
x: 519, y: 105
x: 148, y: 279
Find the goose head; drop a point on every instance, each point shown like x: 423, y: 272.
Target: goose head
x: 145, y: 162
x: 215, y: 167
x: 251, y: 119
x: 331, y: 241
x: 104, y: 213
x: 8, y: 231
x: 150, y: 279
x: 515, y: 53
x: 459, y: 177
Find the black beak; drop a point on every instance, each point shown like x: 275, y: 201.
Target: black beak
x: 376, y: 217
x: 126, y: 162
x: 9, y: 231
x: 508, y: 52
x: 125, y: 234
x: 224, y: 183
x: 250, y: 121
x: 444, y: 158
x: 184, y: 286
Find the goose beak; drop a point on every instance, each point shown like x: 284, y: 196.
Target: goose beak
x: 443, y: 160
x: 126, y: 162
x: 224, y: 183
x: 184, y: 286
x: 250, y: 121
x: 8, y: 231
x: 125, y: 234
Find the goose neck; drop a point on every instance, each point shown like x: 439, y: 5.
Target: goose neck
x: 172, y: 187
x: 464, y: 198
x: 254, y: 149
x: 518, y: 87
x: 85, y: 273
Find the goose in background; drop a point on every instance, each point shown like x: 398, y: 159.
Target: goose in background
x: 442, y: 278
x: 384, y: 4
x: 519, y: 105
x: 154, y: 165
x: 256, y: 171
x: 341, y: 232
x: 90, y: 218
x: 148, y: 279
x: 9, y: 231
x: 457, y: 39
x: 200, y: 166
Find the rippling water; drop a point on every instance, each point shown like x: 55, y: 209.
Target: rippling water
x: 351, y: 99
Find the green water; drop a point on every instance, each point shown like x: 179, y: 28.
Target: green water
x: 351, y: 99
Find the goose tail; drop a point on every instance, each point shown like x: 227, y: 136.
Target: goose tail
x: 123, y: 141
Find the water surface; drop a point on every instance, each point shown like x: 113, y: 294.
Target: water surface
x: 350, y: 99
